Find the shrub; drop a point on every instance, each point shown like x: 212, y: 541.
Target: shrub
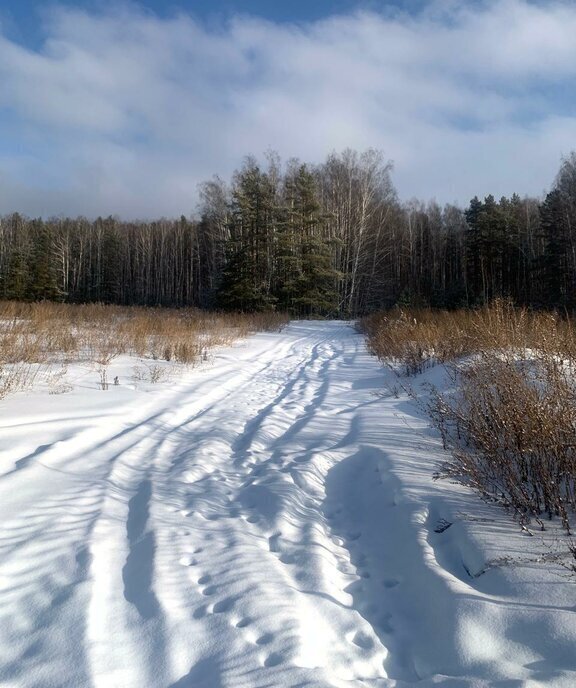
x: 511, y: 424
x: 511, y: 429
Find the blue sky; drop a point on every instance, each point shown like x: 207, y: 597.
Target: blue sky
x: 109, y: 108
x: 24, y: 14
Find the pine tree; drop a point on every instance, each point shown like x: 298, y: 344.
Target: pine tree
x: 15, y: 281
x: 557, y: 275
x: 16, y: 278
x: 473, y: 251
x: 43, y: 280
x: 310, y: 284
x: 247, y: 278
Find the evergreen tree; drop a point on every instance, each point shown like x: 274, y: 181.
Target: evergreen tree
x: 557, y: 274
x: 310, y: 284
x: 247, y: 278
x: 42, y: 277
x: 473, y: 251
x: 16, y: 278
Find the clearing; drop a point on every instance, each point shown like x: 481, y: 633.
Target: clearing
x: 269, y: 520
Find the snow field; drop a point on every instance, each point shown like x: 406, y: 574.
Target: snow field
x: 269, y: 520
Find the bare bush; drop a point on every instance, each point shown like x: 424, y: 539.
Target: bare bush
x: 16, y: 376
x: 511, y: 424
x: 511, y: 429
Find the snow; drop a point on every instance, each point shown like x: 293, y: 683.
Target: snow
x: 267, y: 519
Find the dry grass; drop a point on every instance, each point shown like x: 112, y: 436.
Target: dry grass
x: 46, y: 334
x: 416, y: 339
x: 511, y: 424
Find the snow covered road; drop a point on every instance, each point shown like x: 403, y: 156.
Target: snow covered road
x: 268, y: 521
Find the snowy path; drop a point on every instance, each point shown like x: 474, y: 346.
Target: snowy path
x: 267, y: 522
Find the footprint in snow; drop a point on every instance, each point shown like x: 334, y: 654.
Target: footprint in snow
x: 390, y: 582
x: 243, y: 623
x: 224, y: 605
x: 273, y: 659
x: 362, y: 640
x: 265, y: 639
x: 187, y: 561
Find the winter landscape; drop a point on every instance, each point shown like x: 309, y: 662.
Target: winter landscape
x: 287, y: 344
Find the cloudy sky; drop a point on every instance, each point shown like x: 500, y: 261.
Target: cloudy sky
x: 123, y: 108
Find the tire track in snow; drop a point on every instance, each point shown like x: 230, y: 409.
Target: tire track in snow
x: 249, y: 530
x: 55, y: 502
x: 139, y: 547
x: 142, y: 623
x: 208, y: 503
x: 208, y: 558
x: 235, y: 528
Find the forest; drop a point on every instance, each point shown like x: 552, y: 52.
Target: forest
x: 314, y: 240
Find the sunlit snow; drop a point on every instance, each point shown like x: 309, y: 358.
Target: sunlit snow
x: 268, y: 520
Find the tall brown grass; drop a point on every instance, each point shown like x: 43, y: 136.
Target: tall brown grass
x: 415, y: 339
x: 42, y: 334
x: 511, y: 423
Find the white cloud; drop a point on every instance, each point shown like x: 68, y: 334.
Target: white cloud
x: 125, y: 113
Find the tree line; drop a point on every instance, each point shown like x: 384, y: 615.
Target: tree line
x: 316, y: 240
